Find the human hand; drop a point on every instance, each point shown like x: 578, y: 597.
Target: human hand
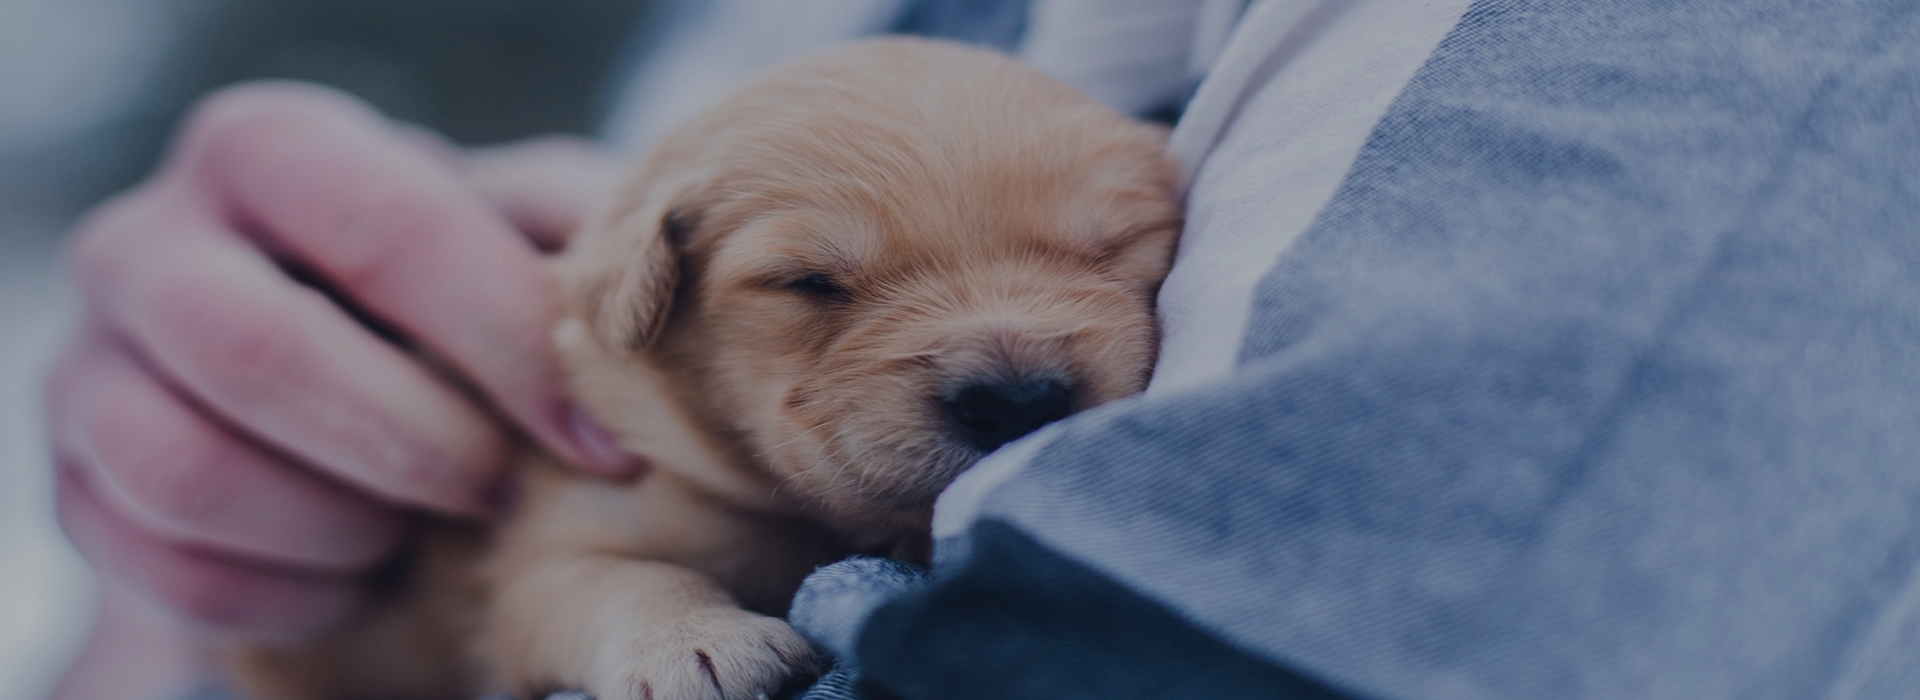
x: 235, y: 442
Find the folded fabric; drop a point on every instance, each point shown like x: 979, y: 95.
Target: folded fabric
x: 834, y: 602
x: 1596, y: 379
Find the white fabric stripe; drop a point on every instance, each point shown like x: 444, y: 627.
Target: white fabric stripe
x: 1253, y: 50
x: 1324, y: 74
x: 1211, y: 31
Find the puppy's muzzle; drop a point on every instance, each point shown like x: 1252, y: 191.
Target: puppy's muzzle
x: 994, y: 413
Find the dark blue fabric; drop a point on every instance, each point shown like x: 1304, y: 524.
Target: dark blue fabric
x: 1041, y: 626
x: 1598, y: 378
x: 836, y: 599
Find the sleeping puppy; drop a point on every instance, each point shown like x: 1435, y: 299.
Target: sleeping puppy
x: 810, y: 309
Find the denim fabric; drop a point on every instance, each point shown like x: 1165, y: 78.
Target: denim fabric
x: 833, y: 605
x: 1038, y: 625
x: 836, y: 600
x: 1598, y: 378
x: 842, y: 682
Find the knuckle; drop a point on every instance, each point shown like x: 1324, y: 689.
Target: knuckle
x: 250, y: 343
x: 184, y: 479
x: 172, y: 470
x: 383, y: 230
x: 225, y: 336
x: 236, y: 120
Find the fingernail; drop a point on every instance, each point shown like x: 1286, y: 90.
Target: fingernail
x: 599, y: 444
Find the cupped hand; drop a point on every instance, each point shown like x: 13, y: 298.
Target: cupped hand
x: 309, y: 322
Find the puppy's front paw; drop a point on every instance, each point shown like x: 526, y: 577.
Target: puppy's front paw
x: 723, y: 654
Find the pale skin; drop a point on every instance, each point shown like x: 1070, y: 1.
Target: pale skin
x: 236, y: 452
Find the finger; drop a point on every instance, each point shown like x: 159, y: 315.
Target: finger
x: 396, y: 229
x: 176, y: 474
x: 546, y: 186
x: 284, y: 364
x: 210, y: 590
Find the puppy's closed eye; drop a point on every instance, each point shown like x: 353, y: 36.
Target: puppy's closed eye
x: 819, y: 287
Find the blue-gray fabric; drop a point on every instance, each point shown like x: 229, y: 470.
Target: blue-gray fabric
x: 1598, y: 378
x: 837, y: 599
x: 833, y: 606
x: 996, y: 23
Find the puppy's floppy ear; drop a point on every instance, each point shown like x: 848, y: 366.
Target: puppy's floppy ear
x: 620, y: 274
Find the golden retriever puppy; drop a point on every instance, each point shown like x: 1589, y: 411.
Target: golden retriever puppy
x: 810, y: 309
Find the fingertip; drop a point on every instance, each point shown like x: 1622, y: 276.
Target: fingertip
x: 597, y: 449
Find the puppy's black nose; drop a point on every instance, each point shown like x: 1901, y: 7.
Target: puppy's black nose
x: 994, y: 414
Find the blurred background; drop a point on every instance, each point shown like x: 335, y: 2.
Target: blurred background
x: 90, y: 90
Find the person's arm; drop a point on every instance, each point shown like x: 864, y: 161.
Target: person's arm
x: 237, y: 450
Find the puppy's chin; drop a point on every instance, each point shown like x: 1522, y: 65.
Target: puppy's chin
x: 871, y: 483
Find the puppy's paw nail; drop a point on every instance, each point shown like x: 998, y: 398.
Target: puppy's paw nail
x: 720, y: 655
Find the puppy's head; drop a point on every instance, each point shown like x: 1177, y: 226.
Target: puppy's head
x: 873, y: 267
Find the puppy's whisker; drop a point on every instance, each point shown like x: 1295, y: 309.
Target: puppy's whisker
x: 803, y: 434
x: 840, y: 469
x: 783, y: 482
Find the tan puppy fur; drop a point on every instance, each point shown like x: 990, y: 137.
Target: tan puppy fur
x: 792, y: 311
